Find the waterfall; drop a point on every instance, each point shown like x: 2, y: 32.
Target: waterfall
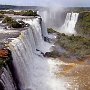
x: 6, y: 80
x: 22, y: 58
x: 44, y: 29
x: 69, y: 24
x: 26, y: 64
x: 34, y: 72
x: 35, y: 25
x: 31, y: 67
x: 38, y: 29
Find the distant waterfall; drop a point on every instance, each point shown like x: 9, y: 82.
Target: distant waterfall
x: 6, y: 80
x: 52, y: 17
x: 69, y: 24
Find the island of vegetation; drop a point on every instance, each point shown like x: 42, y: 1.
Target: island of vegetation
x: 13, y: 23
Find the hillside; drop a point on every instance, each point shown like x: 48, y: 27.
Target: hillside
x: 83, y: 24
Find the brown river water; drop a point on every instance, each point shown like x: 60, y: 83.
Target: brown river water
x: 75, y: 74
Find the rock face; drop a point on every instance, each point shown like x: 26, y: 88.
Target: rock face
x: 5, y: 57
x: 4, y: 53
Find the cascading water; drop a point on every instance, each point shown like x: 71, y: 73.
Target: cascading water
x: 6, y: 80
x: 22, y: 58
x: 44, y: 29
x: 33, y: 71
x: 70, y: 22
x: 38, y: 31
x: 35, y: 24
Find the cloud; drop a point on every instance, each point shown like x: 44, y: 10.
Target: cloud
x: 48, y: 2
x: 64, y: 3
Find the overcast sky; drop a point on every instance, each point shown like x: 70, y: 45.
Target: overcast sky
x: 47, y: 2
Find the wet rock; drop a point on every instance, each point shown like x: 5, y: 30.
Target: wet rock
x: 4, y: 53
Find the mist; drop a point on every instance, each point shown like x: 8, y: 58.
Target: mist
x: 55, y: 14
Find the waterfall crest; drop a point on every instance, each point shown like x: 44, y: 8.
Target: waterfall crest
x: 69, y: 24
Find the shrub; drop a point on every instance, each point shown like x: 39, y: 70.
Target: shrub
x: 7, y: 20
x: 15, y: 24
x: 1, y: 16
x: 26, y: 13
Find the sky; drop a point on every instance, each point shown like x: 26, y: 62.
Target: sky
x: 64, y: 3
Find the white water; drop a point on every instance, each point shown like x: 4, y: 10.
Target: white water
x: 34, y: 71
x: 38, y: 31
x: 6, y: 80
x: 35, y: 25
x: 70, y: 22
